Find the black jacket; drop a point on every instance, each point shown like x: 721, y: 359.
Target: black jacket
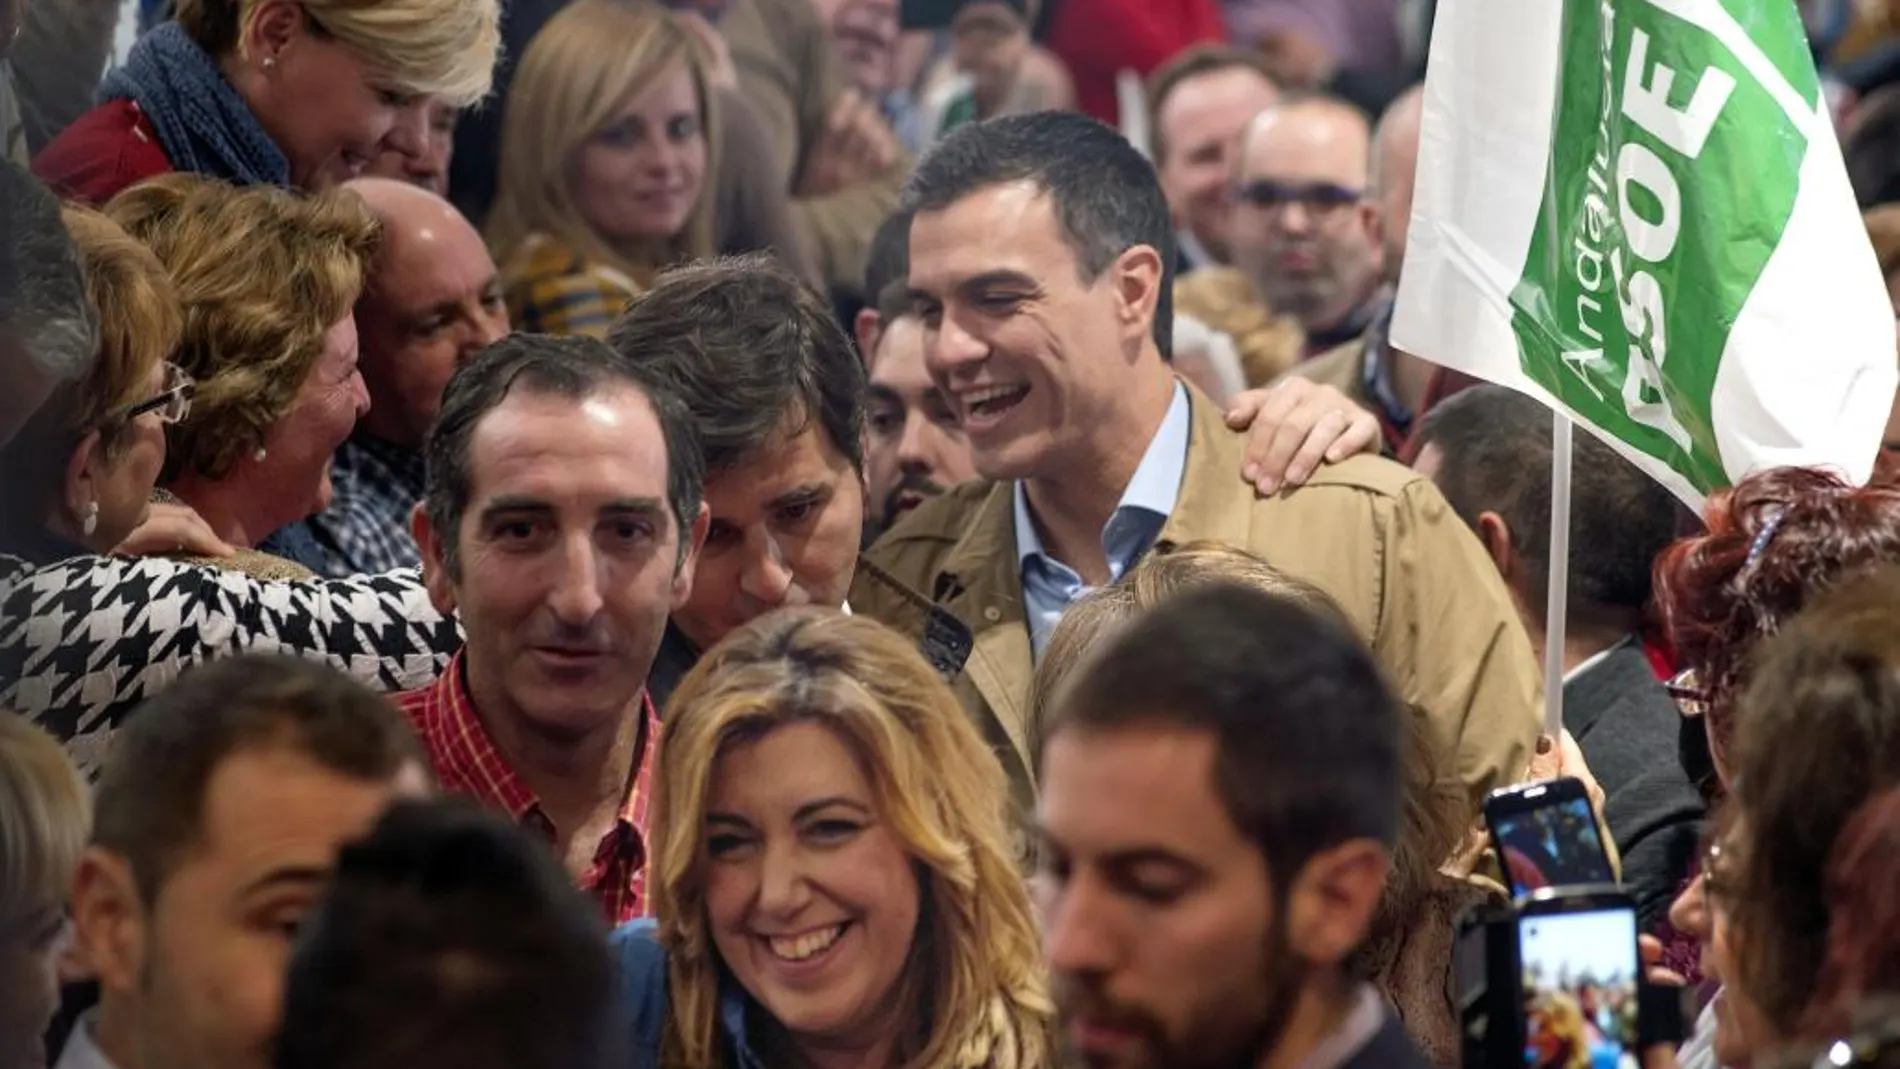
x: 1629, y: 729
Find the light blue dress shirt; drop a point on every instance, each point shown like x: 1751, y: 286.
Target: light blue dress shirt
x: 1049, y: 586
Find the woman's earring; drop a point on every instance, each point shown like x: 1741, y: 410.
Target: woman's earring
x: 259, y: 455
x: 270, y: 64
x: 91, y: 522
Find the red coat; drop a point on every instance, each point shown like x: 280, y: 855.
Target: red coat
x: 109, y: 148
x: 1098, y: 39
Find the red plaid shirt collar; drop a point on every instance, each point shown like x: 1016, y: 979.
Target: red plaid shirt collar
x: 466, y: 761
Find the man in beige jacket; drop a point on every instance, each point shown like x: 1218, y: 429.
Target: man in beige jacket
x: 1041, y: 264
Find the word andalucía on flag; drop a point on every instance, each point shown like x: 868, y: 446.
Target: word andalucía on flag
x: 1636, y: 211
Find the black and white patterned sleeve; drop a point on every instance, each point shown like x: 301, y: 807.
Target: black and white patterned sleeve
x: 84, y: 641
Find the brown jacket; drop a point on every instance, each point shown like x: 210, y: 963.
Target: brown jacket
x: 1377, y: 537
x: 791, y: 77
x: 1343, y: 367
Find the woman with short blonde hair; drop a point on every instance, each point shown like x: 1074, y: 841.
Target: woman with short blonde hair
x: 607, y: 164
x: 893, y: 888
x: 45, y: 817
x: 268, y: 280
x: 303, y: 93
x: 1407, y: 952
x: 80, y: 474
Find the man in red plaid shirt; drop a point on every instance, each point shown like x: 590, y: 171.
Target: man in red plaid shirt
x: 561, y: 522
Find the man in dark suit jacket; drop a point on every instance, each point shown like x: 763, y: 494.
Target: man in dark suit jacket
x: 1488, y: 449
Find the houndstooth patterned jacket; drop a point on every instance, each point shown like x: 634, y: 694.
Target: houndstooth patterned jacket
x: 84, y: 640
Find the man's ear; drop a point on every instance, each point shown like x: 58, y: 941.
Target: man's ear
x: 689, y: 558
x: 109, y: 920
x: 1330, y: 905
x: 1139, y: 276
x: 436, y: 577
x: 1494, y: 533
x: 869, y: 328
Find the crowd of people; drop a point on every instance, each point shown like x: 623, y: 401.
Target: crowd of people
x: 856, y: 534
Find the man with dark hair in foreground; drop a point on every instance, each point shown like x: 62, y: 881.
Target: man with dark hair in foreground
x: 1220, y: 798
x: 560, y: 523
x: 219, y: 815
x: 448, y: 940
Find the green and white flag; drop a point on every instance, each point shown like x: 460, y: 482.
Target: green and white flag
x: 1636, y: 211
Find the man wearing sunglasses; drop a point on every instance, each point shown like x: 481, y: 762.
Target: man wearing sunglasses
x: 1303, y: 230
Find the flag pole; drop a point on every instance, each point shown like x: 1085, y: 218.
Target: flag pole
x: 1559, y: 589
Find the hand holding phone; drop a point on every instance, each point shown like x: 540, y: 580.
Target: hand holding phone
x: 1546, y: 835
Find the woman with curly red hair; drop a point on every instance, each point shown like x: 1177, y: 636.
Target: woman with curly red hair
x: 1773, y: 542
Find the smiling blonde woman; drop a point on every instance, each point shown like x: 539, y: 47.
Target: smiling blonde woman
x: 607, y: 164
x: 832, y: 868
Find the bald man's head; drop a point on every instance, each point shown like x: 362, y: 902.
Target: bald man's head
x: 432, y: 301
x: 1302, y: 229
x: 1317, y: 135
x: 1394, y: 173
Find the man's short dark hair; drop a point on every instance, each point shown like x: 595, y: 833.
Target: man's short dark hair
x: 1495, y: 448
x: 43, y: 304
x: 1187, y: 65
x: 448, y: 938
x: 887, y: 269
x: 150, y: 805
x: 746, y: 345
x: 1306, y: 732
x: 573, y: 367
x: 1105, y: 195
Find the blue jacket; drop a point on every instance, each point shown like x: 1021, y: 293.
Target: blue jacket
x: 643, y: 1000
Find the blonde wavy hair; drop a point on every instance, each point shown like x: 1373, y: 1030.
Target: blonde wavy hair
x: 262, y: 275
x: 578, y: 72
x: 1224, y: 299
x: 1432, y: 826
x: 140, y: 323
x: 939, y: 788
x: 439, y: 48
x: 45, y: 818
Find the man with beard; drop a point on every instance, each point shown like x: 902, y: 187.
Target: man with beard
x: 560, y: 522
x: 913, y: 448
x: 1220, y: 798
x: 1303, y: 230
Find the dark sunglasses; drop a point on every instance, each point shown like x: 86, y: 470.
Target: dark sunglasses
x: 1318, y: 198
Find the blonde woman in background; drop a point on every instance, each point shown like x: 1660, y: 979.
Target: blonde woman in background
x: 1224, y: 299
x: 832, y: 869
x: 1408, y: 950
x: 45, y: 816
x: 304, y: 93
x: 268, y: 281
x: 606, y: 166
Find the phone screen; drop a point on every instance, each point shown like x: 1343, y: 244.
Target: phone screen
x: 1580, y: 976
x: 1553, y: 845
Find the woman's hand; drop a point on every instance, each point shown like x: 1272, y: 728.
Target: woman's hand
x: 1294, y: 426
x: 173, y: 530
